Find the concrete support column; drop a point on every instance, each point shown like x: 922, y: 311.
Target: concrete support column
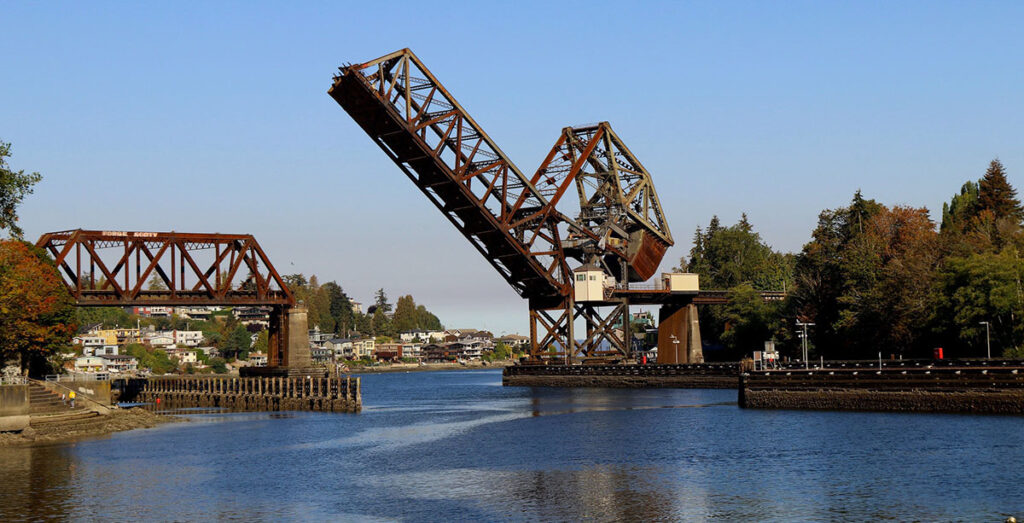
x: 296, y: 354
x: 679, y: 335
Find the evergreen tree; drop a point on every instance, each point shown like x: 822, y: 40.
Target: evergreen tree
x: 996, y: 194
x: 381, y: 301
x: 339, y: 307
x: 961, y: 209
x: 405, y: 314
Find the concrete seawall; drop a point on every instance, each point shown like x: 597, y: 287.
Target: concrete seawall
x: 684, y: 376
x: 247, y: 394
x: 14, y: 407
x: 979, y: 390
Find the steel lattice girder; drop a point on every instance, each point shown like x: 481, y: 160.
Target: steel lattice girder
x: 619, y: 211
x: 439, y: 146
x: 553, y: 337
x: 96, y: 267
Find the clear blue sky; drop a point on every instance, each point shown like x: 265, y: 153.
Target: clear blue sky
x: 214, y: 117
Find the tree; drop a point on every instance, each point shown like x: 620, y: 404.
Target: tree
x: 821, y: 270
x: 219, y: 365
x: 262, y: 342
x: 749, y: 322
x: 996, y: 194
x: 237, y: 343
x: 339, y: 307
x: 156, y: 283
x: 980, y: 287
x: 380, y: 300
x: 155, y: 360
x: 380, y: 324
x: 294, y: 281
x: 36, y: 311
x: 732, y: 257
x: 14, y: 186
x: 106, y: 316
x: 727, y: 257
x: 959, y: 212
x: 889, y: 269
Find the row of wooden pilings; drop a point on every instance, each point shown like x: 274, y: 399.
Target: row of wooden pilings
x: 338, y: 394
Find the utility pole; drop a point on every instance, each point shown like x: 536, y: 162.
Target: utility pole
x: 804, y: 325
x: 988, y: 339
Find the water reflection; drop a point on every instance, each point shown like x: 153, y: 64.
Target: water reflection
x: 453, y: 446
x: 37, y: 482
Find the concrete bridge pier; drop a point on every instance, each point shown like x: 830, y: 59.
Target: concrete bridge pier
x: 679, y: 334
x: 289, y: 338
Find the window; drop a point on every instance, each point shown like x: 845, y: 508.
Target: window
x: 581, y: 277
x: 593, y: 278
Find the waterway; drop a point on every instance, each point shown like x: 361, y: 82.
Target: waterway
x: 458, y: 446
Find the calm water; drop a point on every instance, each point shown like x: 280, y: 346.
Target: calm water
x: 458, y: 446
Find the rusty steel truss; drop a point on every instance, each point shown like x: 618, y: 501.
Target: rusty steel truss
x: 449, y: 157
x: 620, y: 224
x: 116, y: 268
x: 510, y: 219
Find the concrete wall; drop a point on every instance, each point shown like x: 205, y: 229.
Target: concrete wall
x: 298, y: 355
x: 14, y: 407
x: 679, y: 323
x: 978, y: 390
x: 96, y: 393
x: 697, y: 376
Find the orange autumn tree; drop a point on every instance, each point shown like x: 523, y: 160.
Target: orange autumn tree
x: 36, y: 310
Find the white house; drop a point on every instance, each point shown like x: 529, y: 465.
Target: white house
x: 190, y: 338
x: 159, y: 339
x: 105, y: 350
x: 257, y: 359
x: 340, y: 347
x: 182, y: 355
x: 120, y: 363
x: 412, y: 350
x: 90, y: 364
x: 363, y: 347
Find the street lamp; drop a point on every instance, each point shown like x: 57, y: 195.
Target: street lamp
x: 675, y: 348
x: 804, y: 325
x: 988, y: 339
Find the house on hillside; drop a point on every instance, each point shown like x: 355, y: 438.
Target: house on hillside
x: 120, y: 363
x: 439, y: 353
x: 90, y: 364
x: 515, y: 341
x: 388, y: 352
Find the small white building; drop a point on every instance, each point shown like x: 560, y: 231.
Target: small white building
x: 105, y: 350
x: 412, y: 350
x: 182, y: 355
x: 190, y: 338
x: 120, y: 363
x: 589, y: 283
x: 363, y: 347
x: 257, y: 359
x: 90, y: 364
x: 681, y: 282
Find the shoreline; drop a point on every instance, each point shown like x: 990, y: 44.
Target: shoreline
x: 413, y: 367
x: 119, y: 420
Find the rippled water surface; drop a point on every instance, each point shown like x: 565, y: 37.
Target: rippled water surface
x: 458, y: 446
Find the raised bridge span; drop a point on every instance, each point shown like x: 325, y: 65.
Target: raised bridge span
x: 116, y: 268
x: 530, y: 228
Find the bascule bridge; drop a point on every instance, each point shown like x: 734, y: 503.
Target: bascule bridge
x: 590, y: 212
